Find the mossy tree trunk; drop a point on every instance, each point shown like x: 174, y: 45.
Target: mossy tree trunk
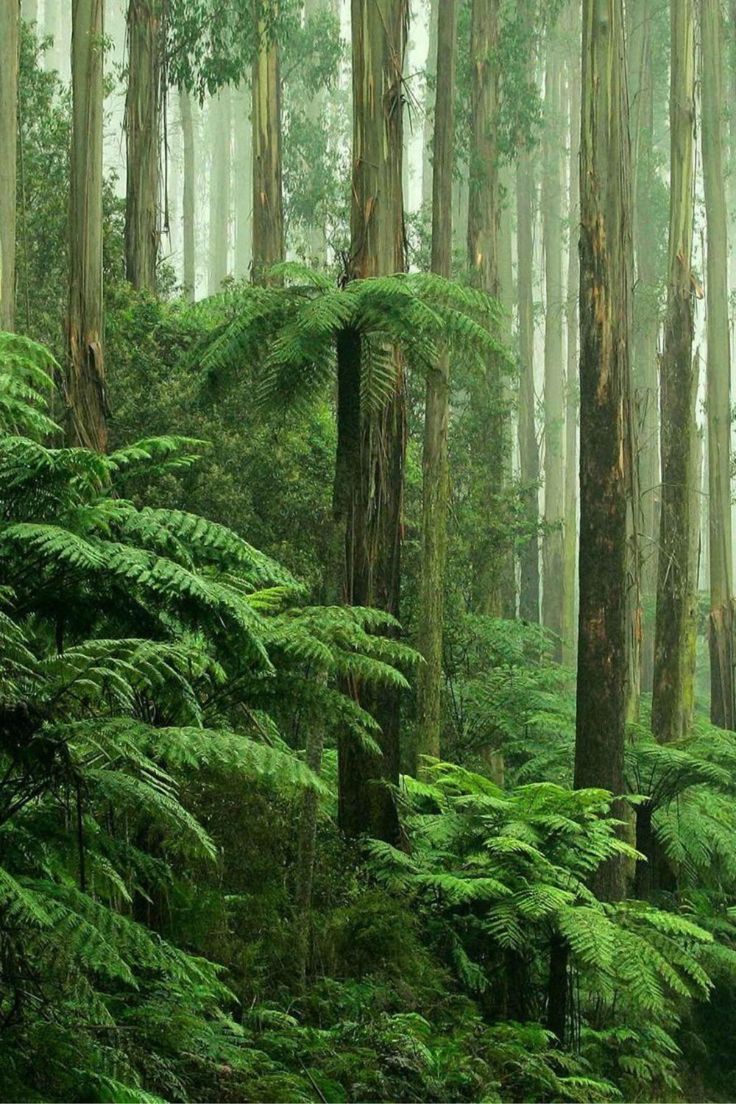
x: 372, y: 442
x: 674, y: 661
x: 436, y: 486
x: 553, y: 582
x: 605, y: 244
x: 143, y: 141
x: 722, y: 705
x: 85, y: 375
x: 268, y: 202
x: 9, y: 35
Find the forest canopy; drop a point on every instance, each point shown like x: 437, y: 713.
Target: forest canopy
x: 367, y: 632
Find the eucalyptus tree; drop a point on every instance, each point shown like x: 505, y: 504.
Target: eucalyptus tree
x: 9, y: 45
x: 143, y: 106
x: 188, y: 204
x: 718, y: 371
x: 220, y: 135
x: 605, y: 309
x: 268, y: 199
x: 436, y: 484
x: 674, y: 649
x: 242, y: 171
x: 85, y: 374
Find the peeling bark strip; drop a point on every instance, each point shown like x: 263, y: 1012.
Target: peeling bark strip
x: 723, y: 691
x: 143, y: 142
x: 374, y: 498
x: 674, y: 656
x: 605, y: 244
x: 436, y: 483
x: 85, y: 376
x: 268, y: 204
x: 8, y: 160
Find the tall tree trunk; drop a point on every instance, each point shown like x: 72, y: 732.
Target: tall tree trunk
x: 268, y: 209
x: 219, y: 221
x: 375, y: 440
x: 9, y: 31
x: 143, y: 142
x: 491, y: 559
x: 553, y: 593
x: 673, y: 658
x: 243, y: 164
x: 646, y: 318
x: 57, y: 27
x: 85, y: 378
x: 430, y: 97
x: 605, y: 243
x: 29, y: 11
x: 307, y: 849
x: 188, y: 203
x: 434, y: 461
x: 722, y: 704
x: 571, y: 375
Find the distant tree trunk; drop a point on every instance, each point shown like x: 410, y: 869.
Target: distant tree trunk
x: 219, y: 221
x: 373, y: 441
x: 29, y: 11
x: 243, y: 164
x: 56, y: 25
x: 85, y: 378
x: 268, y: 210
x: 571, y: 382
x: 553, y: 548
x: 673, y: 659
x: 492, y: 445
x: 434, y: 461
x: 430, y: 95
x: 189, y: 193
x: 9, y: 32
x: 143, y: 142
x: 646, y: 318
x: 605, y: 244
x: 722, y: 704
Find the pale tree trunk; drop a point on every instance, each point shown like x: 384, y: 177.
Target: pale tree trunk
x: 553, y: 582
x: 722, y: 705
x: 85, y: 377
x: 571, y: 376
x: 143, y: 142
x: 268, y: 210
x: 188, y: 203
x: 242, y: 194
x: 29, y: 11
x: 219, y: 222
x: 674, y: 661
x: 9, y: 31
x: 491, y: 558
x: 57, y: 26
x: 646, y: 318
x: 371, y: 444
x: 316, y: 235
x: 434, y: 461
x: 430, y: 96
x: 605, y: 309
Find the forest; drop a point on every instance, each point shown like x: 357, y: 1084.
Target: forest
x: 367, y: 614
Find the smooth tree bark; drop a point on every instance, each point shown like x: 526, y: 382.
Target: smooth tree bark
x: 85, y: 375
x: 553, y: 546
x: 243, y: 166
x: 220, y: 163
x: 646, y: 316
x: 436, y: 483
x: 572, y: 390
x: 268, y: 203
x: 605, y: 243
x: 9, y: 45
x: 718, y: 372
x: 372, y: 441
x: 188, y: 203
x: 674, y: 659
x: 491, y: 559
x: 143, y: 142
x: 430, y: 95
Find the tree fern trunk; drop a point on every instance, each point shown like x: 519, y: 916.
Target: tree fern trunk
x: 85, y: 376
